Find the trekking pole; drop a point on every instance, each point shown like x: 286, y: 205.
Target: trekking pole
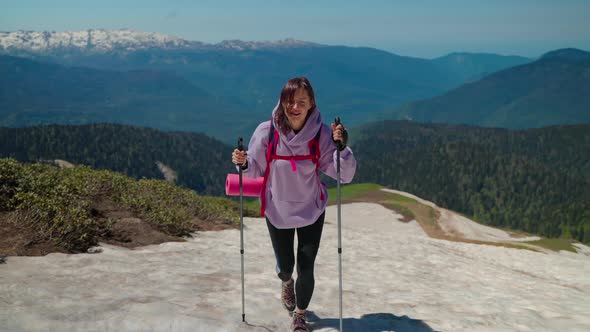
x: 241, y: 148
x: 338, y: 146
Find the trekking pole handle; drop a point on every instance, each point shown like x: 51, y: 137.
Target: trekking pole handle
x: 336, y: 123
x: 240, y: 144
x: 241, y: 148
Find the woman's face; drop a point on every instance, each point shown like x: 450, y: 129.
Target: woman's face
x: 296, y: 112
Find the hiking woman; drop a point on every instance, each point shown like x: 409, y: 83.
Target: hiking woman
x: 296, y: 145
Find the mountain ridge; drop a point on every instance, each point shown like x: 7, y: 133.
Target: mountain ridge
x: 102, y: 40
x: 34, y: 92
x: 554, y: 89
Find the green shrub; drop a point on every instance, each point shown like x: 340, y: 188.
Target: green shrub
x: 57, y: 203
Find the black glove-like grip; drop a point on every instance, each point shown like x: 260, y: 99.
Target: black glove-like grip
x: 341, y: 145
x: 241, y: 148
x: 344, y: 139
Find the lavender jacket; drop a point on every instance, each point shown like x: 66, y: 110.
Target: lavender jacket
x: 293, y: 198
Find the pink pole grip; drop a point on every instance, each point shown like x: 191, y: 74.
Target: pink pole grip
x: 251, y: 187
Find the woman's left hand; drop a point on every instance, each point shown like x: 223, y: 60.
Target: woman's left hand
x: 339, y: 133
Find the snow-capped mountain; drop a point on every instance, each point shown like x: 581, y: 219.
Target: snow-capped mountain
x: 100, y: 40
x: 246, y: 45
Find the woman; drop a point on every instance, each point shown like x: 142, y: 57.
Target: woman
x: 296, y: 144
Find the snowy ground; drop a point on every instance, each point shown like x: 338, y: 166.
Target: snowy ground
x: 395, y: 279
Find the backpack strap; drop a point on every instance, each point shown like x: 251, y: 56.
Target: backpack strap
x: 271, y: 151
x: 314, y: 150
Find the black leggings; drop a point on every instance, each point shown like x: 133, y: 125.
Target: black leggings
x: 308, y: 243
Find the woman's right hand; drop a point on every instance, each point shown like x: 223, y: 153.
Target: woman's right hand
x: 239, y: 157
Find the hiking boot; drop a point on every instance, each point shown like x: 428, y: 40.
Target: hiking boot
x: 299, y: 323
x: 288, y: 295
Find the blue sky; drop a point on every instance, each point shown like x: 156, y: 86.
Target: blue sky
x: 422, y: 28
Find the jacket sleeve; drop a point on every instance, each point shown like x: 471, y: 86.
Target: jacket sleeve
x: 328, y: 158
x: 256, y: 152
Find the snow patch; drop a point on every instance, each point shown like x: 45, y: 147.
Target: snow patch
x: 169, y: 174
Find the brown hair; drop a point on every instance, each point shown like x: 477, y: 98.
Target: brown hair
x: 287, y: 95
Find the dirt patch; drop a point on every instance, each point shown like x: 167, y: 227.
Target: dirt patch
x: 117, y: 226
x: 130, y: 231
x: 202, y: 225
x: 134, y: 232
x: 18, y: 240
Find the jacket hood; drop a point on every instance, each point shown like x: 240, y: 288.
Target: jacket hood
x: 307, y: 133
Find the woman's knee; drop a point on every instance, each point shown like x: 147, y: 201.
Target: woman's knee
x: 306, y: 257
